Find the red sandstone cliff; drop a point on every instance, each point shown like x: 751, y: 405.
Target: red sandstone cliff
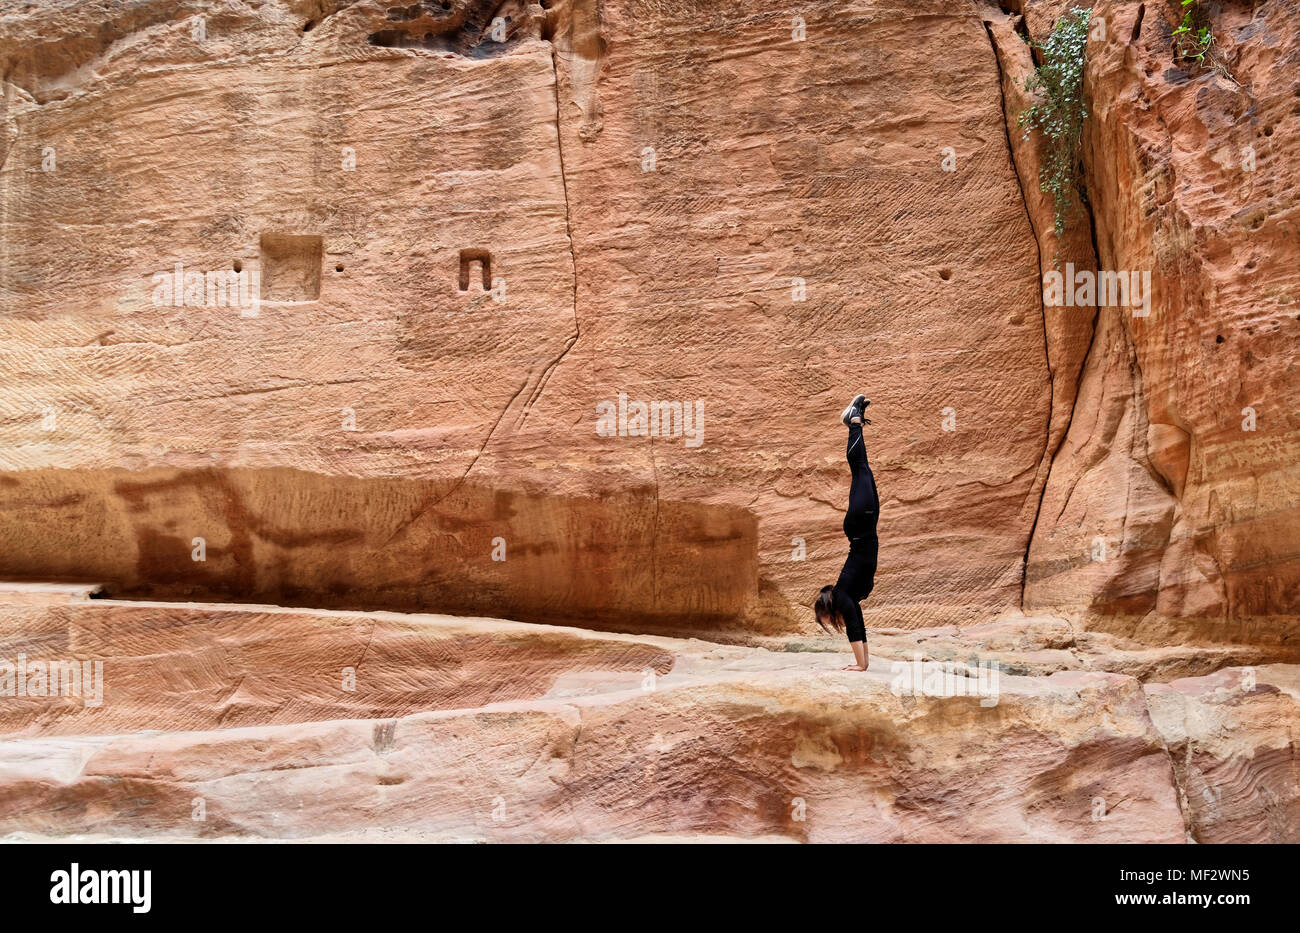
x: 475, y: 226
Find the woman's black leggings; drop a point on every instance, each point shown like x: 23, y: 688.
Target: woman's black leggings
x: 859, y: 574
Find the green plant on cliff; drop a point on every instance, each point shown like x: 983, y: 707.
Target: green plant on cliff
x: 1193, y: 40
x: 1060, y: 113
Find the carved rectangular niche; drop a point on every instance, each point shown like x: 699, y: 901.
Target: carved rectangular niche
x: 467, y: 259
x: 291, y: 267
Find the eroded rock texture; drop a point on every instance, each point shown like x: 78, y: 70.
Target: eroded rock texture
x: 1232, y: 738
x: 1182, y: 447
x: 474, y: 222
x: 531, y: 733
x: 356, y: 306
x: 292, y: 724
x: 796, y: 239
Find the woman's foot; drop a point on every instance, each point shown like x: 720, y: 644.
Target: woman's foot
x: 853, y: 667
x: 856, y: 409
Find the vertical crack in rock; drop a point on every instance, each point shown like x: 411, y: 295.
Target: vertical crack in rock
x: 1087, y: 357
x: 1062, y: 339
x: 426, y: 506
x: 568, y: 230
x: 654, y: 532
x: 370, y: 638
x: 1179, y: 774
x: 1047, y: 453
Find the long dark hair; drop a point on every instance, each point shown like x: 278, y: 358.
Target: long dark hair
x: 824, y: 607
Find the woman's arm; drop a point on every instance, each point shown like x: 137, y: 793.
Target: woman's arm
x: 854, y: 628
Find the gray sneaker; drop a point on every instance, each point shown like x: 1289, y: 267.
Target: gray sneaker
x: 856, y: 409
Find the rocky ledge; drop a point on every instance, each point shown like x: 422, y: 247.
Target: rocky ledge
x: 264, y: 723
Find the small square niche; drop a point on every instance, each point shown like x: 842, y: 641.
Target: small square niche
x: 291, y: 267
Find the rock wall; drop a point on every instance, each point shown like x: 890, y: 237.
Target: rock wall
x: 1181, y: 452
x: 796, y: 240
x: 477, y: 226
x: 290, y: 537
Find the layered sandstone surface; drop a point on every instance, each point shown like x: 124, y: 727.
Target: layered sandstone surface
x: 482, y: 236
x: 267, y: 723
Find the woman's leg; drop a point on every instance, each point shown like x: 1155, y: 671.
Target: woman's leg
x: 850, y: 582
x: 864, y: 501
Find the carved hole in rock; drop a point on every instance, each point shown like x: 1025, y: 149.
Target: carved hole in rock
x: 238, y: 266
x: 307, y: 26
x: 468, y: 257
x: 1268, y: 131
x: 1219, y: 339
x: 338, y: 268
x: 291, y: 267
x: 1137, y: 23
x: 945, y: 274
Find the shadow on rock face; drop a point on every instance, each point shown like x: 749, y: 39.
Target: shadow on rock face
x: 304, y: 539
